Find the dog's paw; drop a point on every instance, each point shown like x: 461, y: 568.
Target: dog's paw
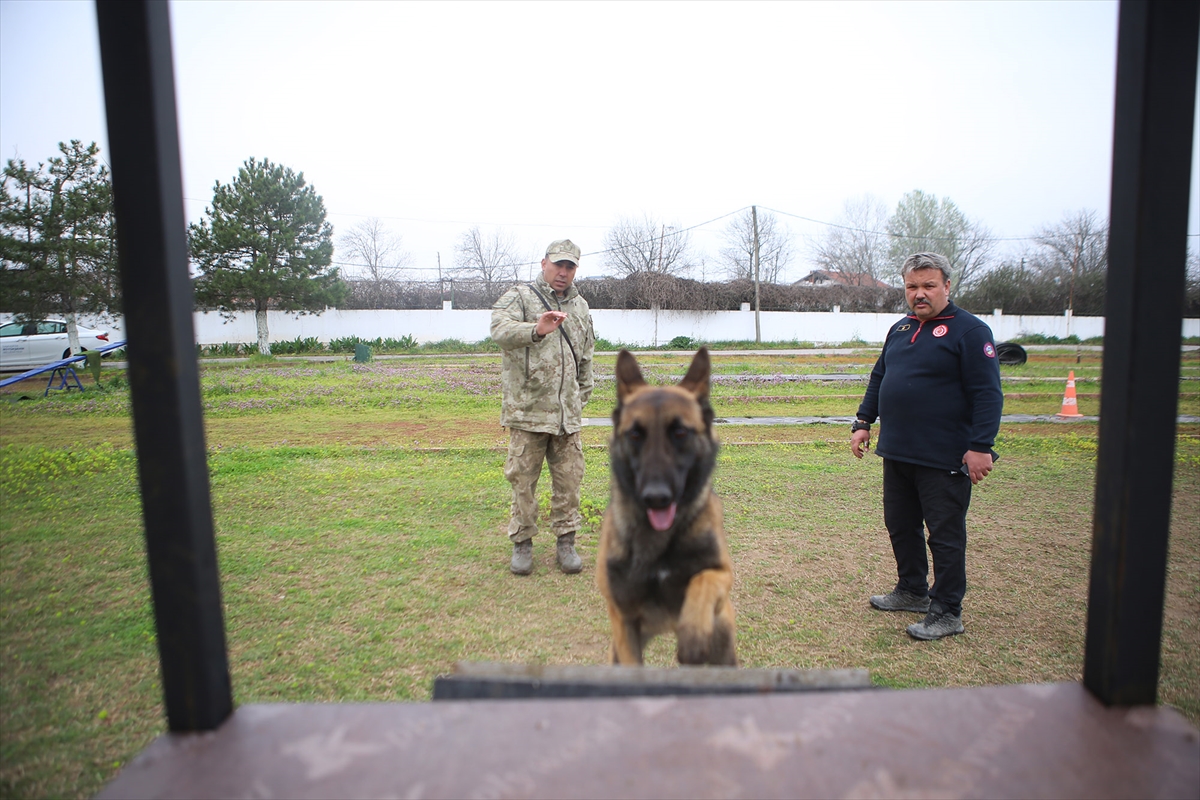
x: 693, y: 647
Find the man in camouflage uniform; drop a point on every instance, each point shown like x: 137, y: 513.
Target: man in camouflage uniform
x: 545, y: 331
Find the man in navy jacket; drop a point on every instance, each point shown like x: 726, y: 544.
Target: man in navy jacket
x: 936, y: 390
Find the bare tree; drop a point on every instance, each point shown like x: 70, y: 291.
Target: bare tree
x: 1076, y: 245
x: 857, y: 246
x: 647, y: 245
x: 490, y: 258
x: 1074, y: 254
x: 370, y: 246
x: 922, y: 223
x: 775, y: 251
x: 1191, y: 303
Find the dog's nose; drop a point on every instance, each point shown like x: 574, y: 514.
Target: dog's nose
x: 656, y: 495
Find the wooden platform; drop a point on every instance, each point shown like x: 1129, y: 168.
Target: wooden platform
x: 1052, y: 740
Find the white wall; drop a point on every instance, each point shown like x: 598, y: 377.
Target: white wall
x: 638, y: 327
x: 635, y: 327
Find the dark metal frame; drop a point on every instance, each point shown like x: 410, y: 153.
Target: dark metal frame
x: 1156, y: 75
x: 1147, y: 250
x: 164, y: 377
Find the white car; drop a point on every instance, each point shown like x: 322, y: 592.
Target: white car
x: 25, y: 345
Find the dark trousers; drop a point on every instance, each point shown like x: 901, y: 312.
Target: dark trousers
x: 913, y: 497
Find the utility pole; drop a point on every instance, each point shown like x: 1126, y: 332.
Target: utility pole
x: 1071, y: 296
x: 1080, y: 236
x: 757, y: 325
x: 441, y: 283
x: 655, y: 304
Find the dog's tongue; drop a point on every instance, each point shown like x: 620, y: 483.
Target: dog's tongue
x: 661, y: 518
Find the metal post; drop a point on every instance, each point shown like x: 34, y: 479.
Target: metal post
x: 1152, y: 144
x: 139, y: 93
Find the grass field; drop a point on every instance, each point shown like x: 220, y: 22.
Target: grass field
x: 360, y: 513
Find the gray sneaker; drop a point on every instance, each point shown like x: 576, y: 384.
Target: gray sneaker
x: 900, y: 600
x: 936, y: 625
x: 522, y: 560
x: 568, y: 560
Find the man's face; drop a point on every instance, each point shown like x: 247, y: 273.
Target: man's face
x: 559, y: 274
x: 927, y: 292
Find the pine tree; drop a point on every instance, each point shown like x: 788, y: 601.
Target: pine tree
x: 265, y: 244
x: 58, y: 238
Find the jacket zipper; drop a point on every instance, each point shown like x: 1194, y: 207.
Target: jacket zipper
x: 562, y: 375
x: 922, y: 324
x: 524, y: 317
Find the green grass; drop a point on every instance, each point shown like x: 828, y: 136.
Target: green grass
x: 360, y: 514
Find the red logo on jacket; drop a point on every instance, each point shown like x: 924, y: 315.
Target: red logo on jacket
x: 940, y: 331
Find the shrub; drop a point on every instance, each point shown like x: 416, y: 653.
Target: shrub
x: 344, y: 344
x: 682, y: 343
x: 1038, y: 338
x: 642, y: 290
x: 225, y: 349
x: 297, y: 346
x: 456, y: 346
x: 405, y: 342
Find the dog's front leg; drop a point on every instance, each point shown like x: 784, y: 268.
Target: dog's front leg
x: 626, y: 639
x: 705, y: 605
x: 724, y: 648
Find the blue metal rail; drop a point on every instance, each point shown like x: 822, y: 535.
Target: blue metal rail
x: 60, y: 364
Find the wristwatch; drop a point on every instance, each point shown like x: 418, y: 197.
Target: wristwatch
x: 859, y: 425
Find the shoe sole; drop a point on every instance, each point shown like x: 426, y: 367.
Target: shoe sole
x: 935, y: 638
x: 913, y: 609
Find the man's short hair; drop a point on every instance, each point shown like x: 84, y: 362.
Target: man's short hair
x: 926, y: 261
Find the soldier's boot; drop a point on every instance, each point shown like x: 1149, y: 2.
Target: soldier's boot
x: 568, y: 560
x: 522, y: 557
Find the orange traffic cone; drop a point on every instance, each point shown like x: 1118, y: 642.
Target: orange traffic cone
x: 1070, y: 408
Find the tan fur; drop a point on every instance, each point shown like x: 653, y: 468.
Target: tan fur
x: 678, y: 580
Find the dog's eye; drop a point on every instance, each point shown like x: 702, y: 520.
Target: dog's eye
x: 680, y: 433
x: 635, y: 434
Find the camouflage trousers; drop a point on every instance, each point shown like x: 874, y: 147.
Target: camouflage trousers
x: 523, y: 466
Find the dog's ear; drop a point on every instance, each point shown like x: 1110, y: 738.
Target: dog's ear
x: 629, y: 375
x: 696, y: 379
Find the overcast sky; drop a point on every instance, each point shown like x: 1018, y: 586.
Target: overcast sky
x: 554, y: 119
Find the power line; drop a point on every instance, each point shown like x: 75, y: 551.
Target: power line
x: 329, y: 213
x: 697, y: 226
x: 673, y: 233
x: 593, y: 253
x: 899, y: 235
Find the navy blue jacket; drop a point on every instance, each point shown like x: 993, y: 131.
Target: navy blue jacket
x: 936, y: 390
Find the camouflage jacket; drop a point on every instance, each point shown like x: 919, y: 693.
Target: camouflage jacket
x: 544, y: 388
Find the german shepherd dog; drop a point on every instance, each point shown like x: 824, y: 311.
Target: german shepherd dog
x: 663, y: 564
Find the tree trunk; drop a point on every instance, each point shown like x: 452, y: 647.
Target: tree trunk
x: 264, y: 339
x: 73, y: 333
